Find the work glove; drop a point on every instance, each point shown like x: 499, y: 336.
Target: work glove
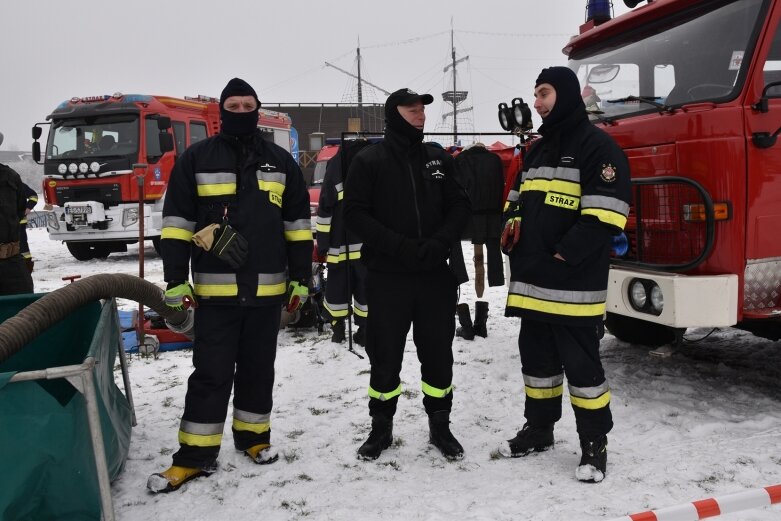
x: 297, y: 292
x: 230, y: 246
x: 205, y: 237
x: 432, y: 253
x: 178, y: 295
x: 511, y: 235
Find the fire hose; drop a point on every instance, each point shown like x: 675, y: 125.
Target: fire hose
x: 25, y: 326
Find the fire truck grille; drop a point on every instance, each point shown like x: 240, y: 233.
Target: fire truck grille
x: 666, y: 225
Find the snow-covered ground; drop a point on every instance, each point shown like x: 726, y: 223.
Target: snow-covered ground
x: 704, y: 422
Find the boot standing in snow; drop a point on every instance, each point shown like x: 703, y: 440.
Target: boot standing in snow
x: 465, y: 330
x: 559, y: 243
x: 239, y: 280
x: 402, y: 201
x: 481, y: 318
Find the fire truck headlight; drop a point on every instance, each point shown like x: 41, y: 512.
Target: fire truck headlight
x: 657, y: 299
x: 637, y: 294
x: 83, y: 168
x: 94, y: 166
x: 51, y: 221
x: 129, y: 216
x: 73, y: 168
x: 62, y: 168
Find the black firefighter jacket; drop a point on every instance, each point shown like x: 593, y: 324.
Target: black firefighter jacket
x: 572, y: 203
x: 394, y: 193
x: 261, y: 191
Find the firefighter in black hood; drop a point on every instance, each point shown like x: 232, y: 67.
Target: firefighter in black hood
x: 402, y: 201
x: 570, y: 199
x: 237, y: 211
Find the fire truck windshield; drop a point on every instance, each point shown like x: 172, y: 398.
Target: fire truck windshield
x: 695, y: 57
x: 100, y: 136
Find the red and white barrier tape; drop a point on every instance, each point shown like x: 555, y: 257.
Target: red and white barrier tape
x: 711, y: 507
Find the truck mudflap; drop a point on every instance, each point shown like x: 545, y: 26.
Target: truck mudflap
x: 686, y: 300
x: 92, y: 221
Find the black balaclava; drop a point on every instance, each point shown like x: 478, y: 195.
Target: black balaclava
x: 396, y: 122
x: 238, y: 123
x: 568, y: 99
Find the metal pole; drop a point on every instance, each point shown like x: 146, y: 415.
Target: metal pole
x: 455, y: 112
x: 141, y: 215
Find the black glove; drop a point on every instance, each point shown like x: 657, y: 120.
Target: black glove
x: 432, y: 253
x: 229, y: 246
x: 408, y: 253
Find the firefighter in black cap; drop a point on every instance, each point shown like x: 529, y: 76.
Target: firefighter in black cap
x: 569, y: 201
x: 402, y: 201
x: 237, y: 212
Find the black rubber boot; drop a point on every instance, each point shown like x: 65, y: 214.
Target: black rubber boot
x: 441, y: 437
x: 338, y: 336
x: 593, y: 462
x: 531, y: 439
x: 465, y: 319
x: 359, y: 337
x: 380, y: 438
x: 481, y: 318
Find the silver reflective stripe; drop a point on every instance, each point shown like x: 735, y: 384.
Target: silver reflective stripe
x: 603, y: 201
x: 178, y: 222
x: 214, y: 278
x: 543, y: 383
x: 589, y: 392
x: 201, y: 429
x: 214, y: 178
x: 336, y: 307
x: 271, y: 278
x: 361, y: 307
x: 323, y: 220
x: 558, y: 295
x: 339, y: 187
x: 272, y: 177
x: 548, y: 172
x: 299, y: 224
x: 512, y: 196
x: 251, y: 417
x: 343, y: 249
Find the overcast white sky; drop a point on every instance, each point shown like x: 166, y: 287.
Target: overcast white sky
x: 52, y: 50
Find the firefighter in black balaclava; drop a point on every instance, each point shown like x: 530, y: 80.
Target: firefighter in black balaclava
x: 569, y: 201
x: 404, y: 204
x: 237, y: 213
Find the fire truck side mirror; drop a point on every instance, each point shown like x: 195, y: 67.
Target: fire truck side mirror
x: 163, y: 123
x: 762, y: 104
x: 36, y: 151
x: 37, y: 131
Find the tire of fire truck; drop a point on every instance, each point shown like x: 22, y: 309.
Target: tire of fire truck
x: 636, y: 331
x: 85, y: 251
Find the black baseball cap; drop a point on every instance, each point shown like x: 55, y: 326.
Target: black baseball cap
x: 407, y: 97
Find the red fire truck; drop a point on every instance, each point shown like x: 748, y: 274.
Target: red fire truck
x: 691, y: 90
x: 98, y: 149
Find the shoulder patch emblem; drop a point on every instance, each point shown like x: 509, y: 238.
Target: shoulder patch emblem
x: 608, y: 173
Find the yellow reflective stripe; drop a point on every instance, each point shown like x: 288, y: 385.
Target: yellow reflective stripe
x: 606, y: 216
x: 257, y: 428
x: 27, y: 255
x: 548, y: 185
x: 435, y: 392
x: 271, y: 186
x: 544, y: 393
x: 591, y: 403
x: 335, y: 313
x: 23, y: 220
x: 324, y: 228
x: 340, y: 196
x: 556, y: 308
x: 384, y: 396
x: 217, y: 189
x: 200, y: 440
x: 270, y: 290
x: 334, y: 259
x: 298, y: 235
x: 361, y: 313
x: 176, y: 233
x: 216, y: 290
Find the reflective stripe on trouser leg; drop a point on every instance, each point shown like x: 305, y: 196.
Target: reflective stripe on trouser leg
x: 336, y: 302
x: 254, y: 381
x: 542, y: 373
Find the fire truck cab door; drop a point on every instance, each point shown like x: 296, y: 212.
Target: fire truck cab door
x: 763, y: 191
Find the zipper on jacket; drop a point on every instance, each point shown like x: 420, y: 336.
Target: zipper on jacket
x: 415, y: 197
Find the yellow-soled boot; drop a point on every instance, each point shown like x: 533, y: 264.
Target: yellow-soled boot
x: 262, y: 454
x: 175, y: 477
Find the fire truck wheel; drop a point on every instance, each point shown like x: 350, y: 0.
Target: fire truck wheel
x: 85, y: 251
x: 636, y: 331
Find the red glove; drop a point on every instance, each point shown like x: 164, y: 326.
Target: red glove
x: 510, y: 235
